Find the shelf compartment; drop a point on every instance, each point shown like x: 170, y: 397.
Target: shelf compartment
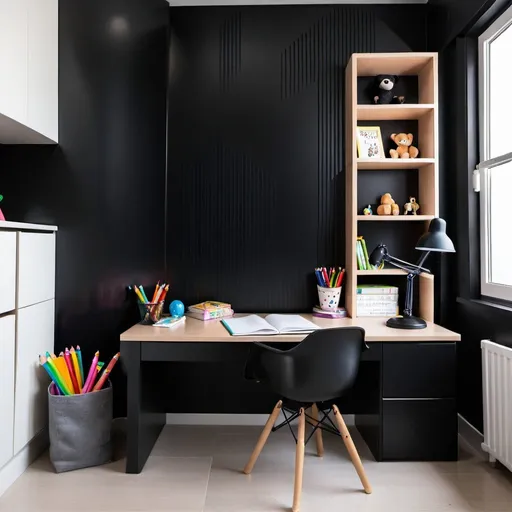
x: 392, y: 112
x: 371, y: 64
x: 397, y: 218
x: 378, y: 164
x: 390, y: 272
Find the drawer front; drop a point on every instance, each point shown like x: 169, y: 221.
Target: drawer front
x: 419, y: 429
x: 419, y: 370
x: 35, y: 335
x: 36, y: 268
x: 7, y: 271
x: 7, y: 340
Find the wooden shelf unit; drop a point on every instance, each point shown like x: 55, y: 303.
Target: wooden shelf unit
x: 425, y: 67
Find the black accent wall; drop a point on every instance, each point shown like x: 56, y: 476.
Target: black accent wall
x: 256, y: 153
x: 104, y: 185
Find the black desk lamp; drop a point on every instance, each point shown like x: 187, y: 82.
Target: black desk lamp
x: 435, y: 240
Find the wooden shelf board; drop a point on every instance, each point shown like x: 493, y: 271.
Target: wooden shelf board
x: 389, y: 272
x: 378, y: 164
x: 393, y: 218
x: 371, y: 64
x: 392, y: 112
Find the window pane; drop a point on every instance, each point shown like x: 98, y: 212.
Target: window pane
x: 500, y: 240
x: 499, y: 89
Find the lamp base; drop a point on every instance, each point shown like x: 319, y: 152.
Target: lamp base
x: 406, y: 322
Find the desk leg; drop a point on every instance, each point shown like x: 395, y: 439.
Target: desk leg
x: 145, y: 422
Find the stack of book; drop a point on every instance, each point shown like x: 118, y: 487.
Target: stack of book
x: 377, y: 300
x: 210, y: 310
x: 336, y: 313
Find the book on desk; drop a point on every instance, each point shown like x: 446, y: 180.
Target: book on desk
x: 269, y: 326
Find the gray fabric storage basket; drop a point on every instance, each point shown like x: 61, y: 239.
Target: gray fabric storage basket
x: 80, y: 428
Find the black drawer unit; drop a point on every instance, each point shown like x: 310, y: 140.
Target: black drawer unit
x: 419, y: 370
x: 419, y: 429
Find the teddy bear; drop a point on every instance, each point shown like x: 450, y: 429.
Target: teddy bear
x: 388, y: 206
x: 404, y: 149
x: 383, y: 86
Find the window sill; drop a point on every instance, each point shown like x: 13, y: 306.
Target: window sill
x: 487, y: 302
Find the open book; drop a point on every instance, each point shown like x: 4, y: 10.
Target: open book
x: 272, y: 324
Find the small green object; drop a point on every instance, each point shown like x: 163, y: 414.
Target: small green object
x: 1, y: 197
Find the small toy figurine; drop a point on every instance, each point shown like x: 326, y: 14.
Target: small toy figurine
x: 368, y: 210
x: 1, y: 214
x: 411, y: 206
x: 177, y: 309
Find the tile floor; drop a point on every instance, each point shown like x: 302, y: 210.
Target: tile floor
x: 198, y: 469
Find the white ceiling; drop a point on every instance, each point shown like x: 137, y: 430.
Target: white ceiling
x: 190, y: 3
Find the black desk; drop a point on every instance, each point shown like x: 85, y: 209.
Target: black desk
x: 404, y: 399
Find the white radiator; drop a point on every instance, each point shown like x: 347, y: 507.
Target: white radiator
x: 497, y: 394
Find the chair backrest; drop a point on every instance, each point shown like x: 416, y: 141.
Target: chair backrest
x: 323, y: 367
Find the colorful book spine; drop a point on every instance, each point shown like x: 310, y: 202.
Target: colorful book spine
x: 381, y: 298
x: 360, y: 257
x: 365, y: 252
x: 377, y: 290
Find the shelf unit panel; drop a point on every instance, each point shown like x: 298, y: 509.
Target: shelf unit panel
x: 394, y: 218
x: 392, y: 112
x: 377, y: 164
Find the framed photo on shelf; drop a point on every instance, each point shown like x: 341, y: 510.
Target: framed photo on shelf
x: 369, y: 142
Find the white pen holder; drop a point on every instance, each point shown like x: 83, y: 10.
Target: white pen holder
x: 329, y: 298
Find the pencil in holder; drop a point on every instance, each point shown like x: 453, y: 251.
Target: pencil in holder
x: 151, y: 312
x: 329, y: 298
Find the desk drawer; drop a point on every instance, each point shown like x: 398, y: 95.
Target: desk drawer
x: 419, y: 429
x: 419, y: 370
x: 36, y: 268
x: 7, y: 271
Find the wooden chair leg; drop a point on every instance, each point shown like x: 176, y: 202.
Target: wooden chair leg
x: 352, y: 450
x: 318, y: 434
x: 299, y: 461
x: 263, y: 438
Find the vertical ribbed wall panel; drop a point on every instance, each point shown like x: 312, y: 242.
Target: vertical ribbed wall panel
x: 256, y: 156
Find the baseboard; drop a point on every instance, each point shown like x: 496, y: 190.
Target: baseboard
x: 248, y: 420
x: 472, y: 436
x: 22, y: 460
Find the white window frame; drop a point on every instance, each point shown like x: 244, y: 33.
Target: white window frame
x: 482, y: 185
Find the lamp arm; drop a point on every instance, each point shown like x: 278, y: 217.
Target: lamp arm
x: 408, y: 267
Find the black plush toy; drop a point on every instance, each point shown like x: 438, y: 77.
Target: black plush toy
x: 384, y: 85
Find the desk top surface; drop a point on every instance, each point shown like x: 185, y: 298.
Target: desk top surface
x: 213, y: 331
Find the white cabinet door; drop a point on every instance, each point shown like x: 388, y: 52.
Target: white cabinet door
x: 36, y: 268
x: 7, y: 333
x: 34, y: 336
x: 13, y: 59
x: 43, y: 67
x: 7, y: 271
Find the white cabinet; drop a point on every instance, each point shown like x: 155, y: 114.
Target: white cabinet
x: 36, y: 268
x: 34, y: 335
x: 7, y: 340
x: 29, y: 71
x: 8, y: 271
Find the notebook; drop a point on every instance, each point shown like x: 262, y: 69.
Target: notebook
x: 268, y: 326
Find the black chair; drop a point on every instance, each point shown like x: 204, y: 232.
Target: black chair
x: 311, y: 375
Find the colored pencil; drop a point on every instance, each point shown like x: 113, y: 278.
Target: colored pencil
x: 99, y: 366
x: 106, y: 372
x: 139, y: 295
x: 141, y: 288
x: 76, y: 368
x: 162, y: 299
x: 69, y: 364
x: 43, y: 361
x: 90, y: 375
x: 80, y: 364
x: 155, y: 292
x: 61, y: 381
x: 60, y: 363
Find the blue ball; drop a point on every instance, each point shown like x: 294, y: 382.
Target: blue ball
x: 177, y: 308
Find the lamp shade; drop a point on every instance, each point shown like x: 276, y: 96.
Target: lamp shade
x: 436, y: 239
